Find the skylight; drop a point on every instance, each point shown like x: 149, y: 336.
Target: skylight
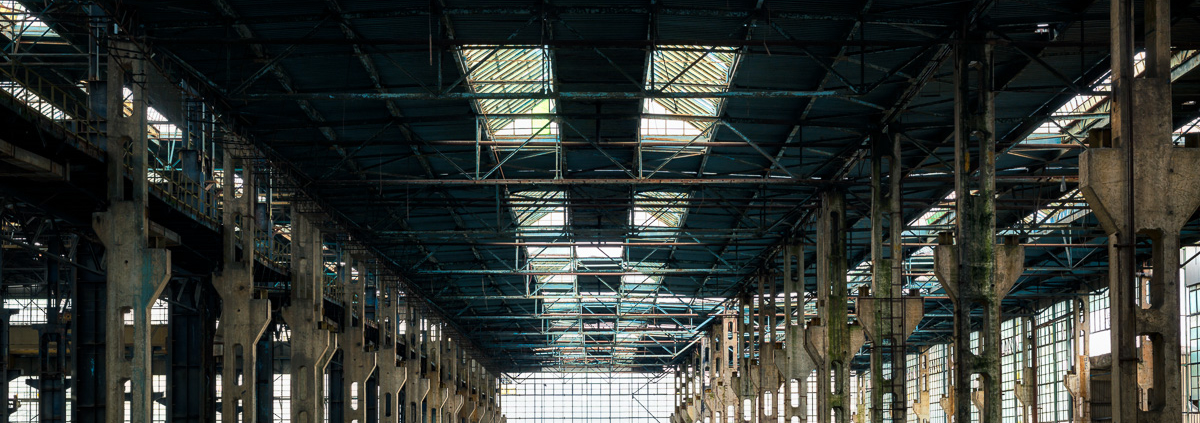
x: 16, y: 23
x: 685, y: 120
x: 1085, y: 111
x: 658, y: 210
x: 512, y: 70
x: 539, y: 208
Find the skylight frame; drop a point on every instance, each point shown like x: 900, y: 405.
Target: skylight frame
x: 513, y: 69
x: 675, y: 68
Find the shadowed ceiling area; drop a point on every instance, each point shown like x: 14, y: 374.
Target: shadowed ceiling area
x: 586, y: 184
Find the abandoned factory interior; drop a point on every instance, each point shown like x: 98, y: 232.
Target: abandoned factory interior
x: 595, y: 211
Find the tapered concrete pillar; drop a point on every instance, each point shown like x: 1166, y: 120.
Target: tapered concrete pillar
x: 137, y: 272
x: 794, y: 361
x: 311, y: 343
x: 887, y: 315
x: 358, y: 358
x: 471, y: 392
x: 452, y: 359
x: 1140, y: 185
x: 435, y: 396
x: 482, y: 381
x: 973, y: 271
x: 921, y: 404
x: 680, y: 399
x: 1079, y: 378
x: 746, y: 385
x: 763, y: 369
x: 393, y: 373
x: 417, y: 386
x: 727, y: 340
x: 690, y: 405
x: 693, y: 405
x: 492, y: 413
x: 831, y: 341
x: 244, y: 318
x: 1025, y: 387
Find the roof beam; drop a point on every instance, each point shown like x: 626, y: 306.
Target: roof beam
x: 554, y: 95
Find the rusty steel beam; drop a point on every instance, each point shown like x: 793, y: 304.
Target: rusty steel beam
x: 568, y: 95
x: 580, y: 181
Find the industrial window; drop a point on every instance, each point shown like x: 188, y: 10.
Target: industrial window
x: 22, y: 390
x: 912, y: 363
x: 587, y: 397
x: 1190, y: 308
x: 1100, y: 340
x: 1053, y: 336
x: 1012, y: 361
x: 30, y: 311
x: 159, y: 314
x: 939, y: 381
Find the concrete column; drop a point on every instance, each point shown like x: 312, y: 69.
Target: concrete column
x: 471, y: 406
x: 689, y: 406
x: 1025, y: 388
x: 887, y: 316
x: 393, y: 373
x: 921, y: 404
x: 492, y: 412
x: 831, y: 341
x: 1140, y: 185
x: 694, y: 407
x: 745, y: 385
x: 136, y: 272
x: 417, y: 387
x: 358, y: 358
x: 435, y: 398
x: 724, y: 399
x: 483, y: 381
x: 311, y: 342
x: 244, y: 318
x: 766, y: 373
x: 679, y: 397
x: 1079, y: 379
x: 453, y: 383
x: 974, y: 272
x: 794, y: 361
x: 6, y: 405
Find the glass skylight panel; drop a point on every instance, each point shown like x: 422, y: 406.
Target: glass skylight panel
x: 676, y: 69
x: 659, y: 209
x: 1091, y: 109
x: 512, y: 70
x: 16, y: 22
x: 600, y: 251
x: 539, y: 208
